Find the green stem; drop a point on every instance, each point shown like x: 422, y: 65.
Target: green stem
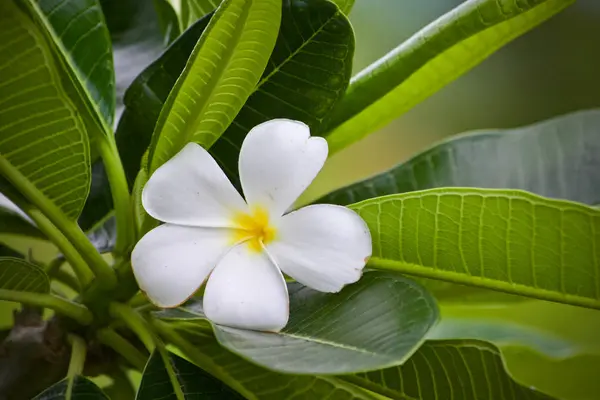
x: 67, y: 279
x: 67, y: 227
x: 160, y: 347
x: 120, y: 193
x: 135, y: 322
x: 197, y: 356
x: 80, y: 267
x: 73, y: 310
x: 479, y: 282
x: 123, y: 347
x: 77, y: 362
x: 55, y: 265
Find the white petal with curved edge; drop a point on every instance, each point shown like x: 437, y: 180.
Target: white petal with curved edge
x: 191, y: 189
x: 322, y: 246
x: 278, y: 160
x: 247, y: 290
x: 170, y: 262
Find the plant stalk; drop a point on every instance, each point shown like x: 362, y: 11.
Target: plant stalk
x: 123, y: 347
x: 68, y: 308
x: 135, y: 322
x: 120, y: 194
x: 67, y: 227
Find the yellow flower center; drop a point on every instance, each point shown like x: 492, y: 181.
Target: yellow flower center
x: 254, y: 228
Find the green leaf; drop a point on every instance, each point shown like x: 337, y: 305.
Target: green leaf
x: 460, y: 369
x: 7, y: 251
x: 344, y: 5
x: 17, y: 274
x: 221, y: 73
x: 432, y: 58
x: 43, y: 142
x: 79, y: 32
x: 555, y: 158
x: 16, y: 224
x: 255, y: 382
x: 81, y: 389
x: 510, y: 241
x: 192, y: 10
x: 377, y: 322
x: 306, y: 76
x: 179, y: 380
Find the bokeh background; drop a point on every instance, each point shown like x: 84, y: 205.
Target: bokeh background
x: 552, y: 70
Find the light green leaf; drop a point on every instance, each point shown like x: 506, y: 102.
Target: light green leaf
x: 306, y: 76
x: 17, y: 274
x: 432, y: 58
x: 555, y: 158
x: 192, y: 10
x: 255, y: 382
x: 510, y: 241
x: 43, y: 141
x: 222, y: 71
x: 460, y: 369
x: 81, y: 389
x: 179, y: 380
x: 344, y: 5
x: 377, y: 322
x: 80, y: 36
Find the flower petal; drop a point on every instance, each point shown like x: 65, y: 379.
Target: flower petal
x: 247, y: 290
x: 191, y: 189
x: 171, y: 262
x: 278, y: 160
x: 322, y: 246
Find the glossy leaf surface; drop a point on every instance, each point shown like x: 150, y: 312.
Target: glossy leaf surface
x: 453, y: 370
x: 221, y: 72
x: 377, y: 322
x: 555, y: 158
x: 511, y: 241
x: 42, y: 140
x: 17, y: 274
x: 80, y: 27
x: 432, y: 58
x: 190, y: 382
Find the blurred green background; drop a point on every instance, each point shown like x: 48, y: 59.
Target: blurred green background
x: 552, y: 70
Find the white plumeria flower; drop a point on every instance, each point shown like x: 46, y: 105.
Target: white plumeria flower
x: 208, y: 225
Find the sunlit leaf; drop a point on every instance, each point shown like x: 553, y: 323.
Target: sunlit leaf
x: 81, y: 36
x: 17, y: 274
x: 190, y: 11
x: 180, y: 380
x: 432, y: 58
x: 509, y: 241
x: 377, y: 322
x: 460, y: 369
x: 43, y: 142
x: 80, y: 389
x: 221, y: 73
x: 555, y: 158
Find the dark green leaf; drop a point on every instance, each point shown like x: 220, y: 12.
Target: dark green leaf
x: 81, y: 389
x: 7, y: 251
x: 301, y: 82
x: 461, y: 370
x: 307, y: 74
x: 510, y: 241
x: 235, y: 47
x: 376, y: 322
x: 33, y: 102
x: 344, y: 5
x: 556, y: 158
x: 17, y: 274
x: 192, y: 382
x: 432, y: 58
x: 80, y: 27
x: 15, y: 224
x: 255, y: 382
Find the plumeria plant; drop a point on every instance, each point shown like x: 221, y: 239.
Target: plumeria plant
x: 160, y: 148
